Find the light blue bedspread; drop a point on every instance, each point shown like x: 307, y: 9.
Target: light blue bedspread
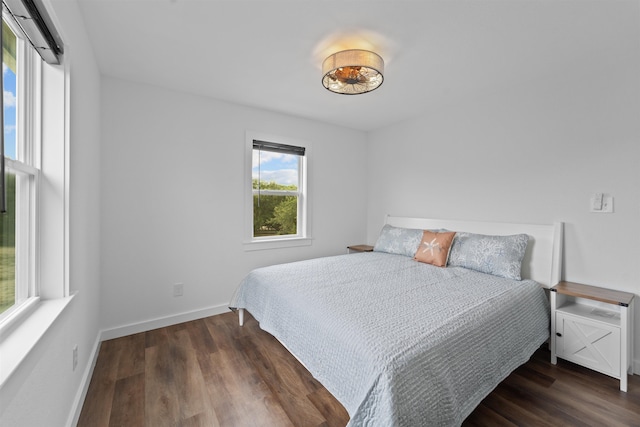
x: 398, y: 342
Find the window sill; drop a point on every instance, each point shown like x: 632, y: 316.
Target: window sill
x: 16, y: 314
x: 17, y: 343
x: 258, y: 245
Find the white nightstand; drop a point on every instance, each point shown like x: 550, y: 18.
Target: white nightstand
x: 593, y: 327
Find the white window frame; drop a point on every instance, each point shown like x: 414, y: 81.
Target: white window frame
x: 303, y: 236
x: 27, y: 164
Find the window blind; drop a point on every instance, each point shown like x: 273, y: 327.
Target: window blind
x: 36, y: 24
x: 278, y: 148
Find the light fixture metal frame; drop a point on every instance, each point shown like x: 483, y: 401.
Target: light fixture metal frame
x: 358, y: 61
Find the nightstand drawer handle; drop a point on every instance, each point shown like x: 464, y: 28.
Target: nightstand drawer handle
x: 558, y: 334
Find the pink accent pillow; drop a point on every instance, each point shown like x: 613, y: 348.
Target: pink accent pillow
x: 434, y: 247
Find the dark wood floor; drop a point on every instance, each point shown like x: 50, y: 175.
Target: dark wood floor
x: 211, y: 372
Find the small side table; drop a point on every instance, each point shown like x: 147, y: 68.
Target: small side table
x: 359, y: 248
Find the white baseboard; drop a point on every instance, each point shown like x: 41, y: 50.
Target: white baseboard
x: 161, y: 322
x: 636, y: 367
x: 76, y: 409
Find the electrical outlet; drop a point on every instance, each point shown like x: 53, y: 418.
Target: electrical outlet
x: 178, y: 289
x: 75, y: 356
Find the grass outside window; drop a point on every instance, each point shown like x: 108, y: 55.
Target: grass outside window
x: 8, y: 248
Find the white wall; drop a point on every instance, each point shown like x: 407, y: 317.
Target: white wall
x: 172, y: 199
x: 44, y: 389
x: 534, y: 153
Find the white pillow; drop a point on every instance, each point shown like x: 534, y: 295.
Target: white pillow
x: 396, y: 240
x: 498, y: 255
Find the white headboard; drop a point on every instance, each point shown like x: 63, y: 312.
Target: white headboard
x: 542, y: 261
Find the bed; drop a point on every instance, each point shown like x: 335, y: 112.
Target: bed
x: 406, y: 343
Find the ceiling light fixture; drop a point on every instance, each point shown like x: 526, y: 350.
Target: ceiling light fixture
x: 352, y: 72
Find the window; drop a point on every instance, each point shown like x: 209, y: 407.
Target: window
x: 277, y: 202
x: 22, y: 74
x: 276, y: 184
x: 17, y: 224
x: 7, y: 220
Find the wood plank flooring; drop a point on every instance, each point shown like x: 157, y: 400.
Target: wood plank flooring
x: 211, y: 372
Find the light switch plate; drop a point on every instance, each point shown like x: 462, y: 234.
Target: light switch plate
x: 607, y: 204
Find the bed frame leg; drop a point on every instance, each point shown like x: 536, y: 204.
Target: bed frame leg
x: 241, y: 316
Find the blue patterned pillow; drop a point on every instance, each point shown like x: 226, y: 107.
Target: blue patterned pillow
x: 396, y: 240
x: 498, y: 255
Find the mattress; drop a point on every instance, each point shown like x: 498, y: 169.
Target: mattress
x: 398, y: 342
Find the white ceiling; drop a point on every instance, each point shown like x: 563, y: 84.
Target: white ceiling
x: 268, y: 54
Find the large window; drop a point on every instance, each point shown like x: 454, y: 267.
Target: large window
x: 278, y: 198
x: 23, y: 124
x: 17, y: 282
x: 8, y: 218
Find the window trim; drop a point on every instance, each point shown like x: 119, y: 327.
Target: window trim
x: 31, y: 322
x: 303, y: 238
x: 47, y: 126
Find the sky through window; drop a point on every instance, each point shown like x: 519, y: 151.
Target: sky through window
x: 275, y: 167
x: 9, y: 112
